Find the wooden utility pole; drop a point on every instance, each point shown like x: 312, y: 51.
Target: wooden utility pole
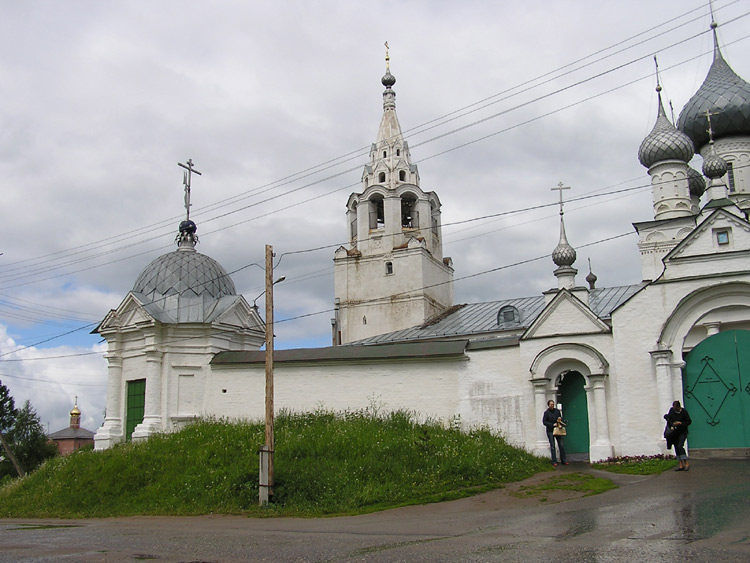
x: 13, y: 459
x: 269, y: 367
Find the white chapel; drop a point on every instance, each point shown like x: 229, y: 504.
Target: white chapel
x: 182, y: 344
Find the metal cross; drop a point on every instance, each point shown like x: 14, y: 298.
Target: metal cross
x: 186, y: 179
x: 710, y: 131
x: 560, y: 188
x: 387, y: 57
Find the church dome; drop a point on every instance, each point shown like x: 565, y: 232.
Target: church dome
x: 665, y: 142
x: 388, y: 79
x: 696, y: 182
x: 184, y: 272
x: 714, y: 166
x: 726, y: 96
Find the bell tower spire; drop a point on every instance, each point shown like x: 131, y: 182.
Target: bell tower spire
x: 393, y: 275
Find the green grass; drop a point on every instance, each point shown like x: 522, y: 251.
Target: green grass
x: 640, y: 465
x: 579, y: 482
x: 326, y: 463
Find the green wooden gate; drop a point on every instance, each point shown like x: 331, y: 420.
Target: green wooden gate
x: 716, y: 389
x: 135, y: 406
x: 575, y: 410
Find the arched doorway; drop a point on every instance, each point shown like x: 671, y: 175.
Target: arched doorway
x: 572, y: 397
x: 716, y: 388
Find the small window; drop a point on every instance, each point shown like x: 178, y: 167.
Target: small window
x: 364, y: 320
x: 398, y: 152
x: 722, y: 237
x: 508, y: 314
x: 730, y: 177
x: 388, y: 268
x: 381, y: 177
x: 402, y: 175
x: 385, y: 154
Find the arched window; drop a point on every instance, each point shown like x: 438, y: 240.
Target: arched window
x: 377, y: 212
x: 385, y: 154
x: 409, y: 216
x: 381, y: 177
x: 402, y: 175
x: 388, y: 268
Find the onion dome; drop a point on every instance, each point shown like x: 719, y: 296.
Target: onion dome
x: 564, y: 254
x: 664, y: 142
x: 725, y: 95
x: 696, y: 182
x: 714, y: 167
x: 184, y: 272
x: 388, y: 79
x: 591, y: 277
x: 75, y: 411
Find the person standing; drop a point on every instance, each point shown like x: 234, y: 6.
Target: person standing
x: 678, y: 419
x: 551, y: 418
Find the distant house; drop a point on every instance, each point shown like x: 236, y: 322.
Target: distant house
x: 74, y: 437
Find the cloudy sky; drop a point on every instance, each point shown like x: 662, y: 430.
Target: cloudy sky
x: 277, y: 103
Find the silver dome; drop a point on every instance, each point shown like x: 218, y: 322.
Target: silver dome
x: 727, y: 96
x: 184, y: 272
x: 696, y: 182
x: 714, y: 166
x: 665, y: 142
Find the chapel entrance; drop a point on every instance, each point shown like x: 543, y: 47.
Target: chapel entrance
x: 716, y: 388
x: 572, y: 396
x: 136, y: 402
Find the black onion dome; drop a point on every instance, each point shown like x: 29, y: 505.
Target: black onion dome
x: 665, y: 142
x: 184, y: 272
x: 696, y: 182
x: 388, y: 79
x: 727, y: 96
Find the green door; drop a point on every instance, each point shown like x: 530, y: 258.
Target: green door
x: 135, y: 405
x: 575, y: 412
x: 716, y: 388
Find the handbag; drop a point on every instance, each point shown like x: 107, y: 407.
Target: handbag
x: 668, y: 431
x: 559, y: 430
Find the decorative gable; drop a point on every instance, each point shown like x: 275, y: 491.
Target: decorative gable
x: 564, y: 315
x: 242, y: 315
x: 130, y: 313
x: 718, y: 245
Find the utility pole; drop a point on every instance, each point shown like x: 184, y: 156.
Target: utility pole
x: 13, y: 459
x: 267, y: 451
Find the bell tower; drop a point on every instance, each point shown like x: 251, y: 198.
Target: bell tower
x: 393, y: 274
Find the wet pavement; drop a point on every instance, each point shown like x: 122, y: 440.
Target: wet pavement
x: 700, y: 515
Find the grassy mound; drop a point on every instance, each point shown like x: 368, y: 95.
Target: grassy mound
x: 326, y: 463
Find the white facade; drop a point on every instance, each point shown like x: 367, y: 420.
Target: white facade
x: 615, y: 357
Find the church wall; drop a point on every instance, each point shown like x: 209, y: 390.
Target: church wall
x: 494, y: 393
x: 638, y: 326
x: 386, y: 385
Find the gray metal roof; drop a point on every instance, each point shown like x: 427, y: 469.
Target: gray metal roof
x: 71, y: 433
x: 400, y: 351
x: 481, y: 319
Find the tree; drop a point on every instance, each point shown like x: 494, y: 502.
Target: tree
x: 28, y: 440
x: 8, y: 410
x: 8, y: 413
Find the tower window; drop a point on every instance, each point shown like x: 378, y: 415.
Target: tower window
x: 388, y: 268
x: 402, y: 175
x: 409, y: 217
x: 730, y: 176
x: 398, y: 152
x: 385, y: 154
x: 377, y: 213
x: 381, y: 177
x: 364, y: 320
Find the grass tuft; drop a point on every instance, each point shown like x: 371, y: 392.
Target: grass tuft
x: 637, y: 465
x: 326, y: 463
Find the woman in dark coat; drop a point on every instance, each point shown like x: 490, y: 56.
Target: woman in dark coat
x: 679, y: 419
x: 552, y: 416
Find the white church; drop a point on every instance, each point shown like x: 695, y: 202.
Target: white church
x: 182, y: 344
